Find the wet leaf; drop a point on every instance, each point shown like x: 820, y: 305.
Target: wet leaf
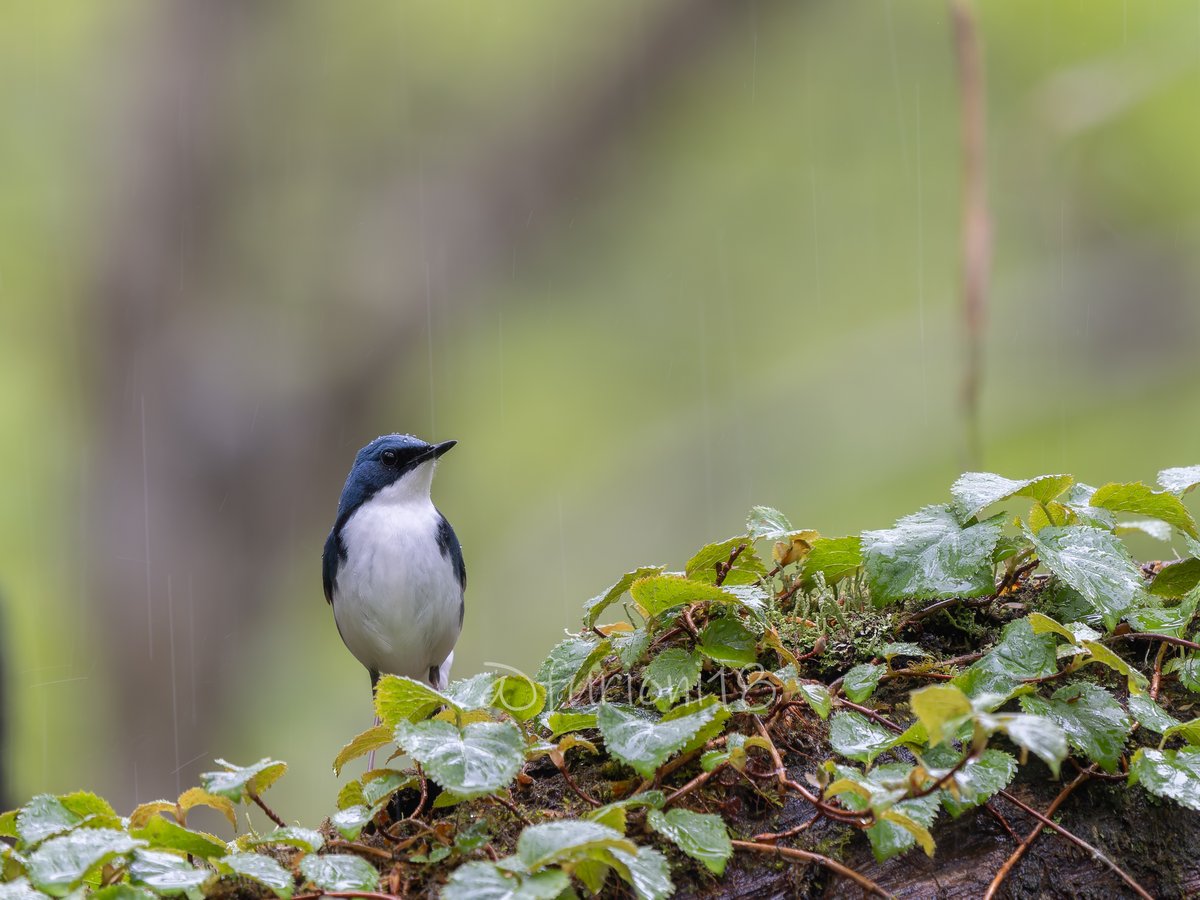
x: 1169, y: 773
x: 976, y: 491
x: 520, y: 697
x: 726, y: 641
x: 361, y: 745
x: 979, y: 780
x: 940, y: 708
x: 262, y: 869
x: 163, y: 834
x: 43, y: 817
x: 1096, y: 564
x: 339, y: 872
x: 860, y: 682
x: 595, y: 607
x: 644, y: 742
x: 290, y: 836
x: 165, y: 873
x: 478, y: 759
x: 747, y: 568
x: 194, y: 797
x: 1176, y: 579
x: 1021, y: 654
x: 1135, y: 497
x: 484, y: 881
x: 702, y: 836
x: 237, y: 781
x: 1094, y: 722
x: 656, y: 594
x: 854, y: 736
x: 1149, y: 714
x: 1179, y: 480
x: 568, y: 665
x: 670, y: 676
x: 930, y: 555
x: 833, y: 558
x: 767, y: 524
x: 647, y: 871
x: 61, y: 862
x: 400, y: 699
x: 556, y: 843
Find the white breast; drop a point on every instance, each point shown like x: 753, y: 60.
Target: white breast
x: 396, y: 600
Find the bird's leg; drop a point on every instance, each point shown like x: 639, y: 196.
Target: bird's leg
x: 371, y: 755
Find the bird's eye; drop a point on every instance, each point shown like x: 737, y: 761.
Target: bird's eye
x: 388, y: 457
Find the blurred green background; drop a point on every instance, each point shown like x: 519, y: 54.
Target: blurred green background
x: 649, y: 262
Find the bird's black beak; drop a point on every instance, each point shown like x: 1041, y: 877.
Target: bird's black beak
x: 439, y: 449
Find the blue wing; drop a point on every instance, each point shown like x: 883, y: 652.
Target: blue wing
x: 452, y: 550
x: 330, y: 562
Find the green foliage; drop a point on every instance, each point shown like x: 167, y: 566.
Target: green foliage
x: 700, y: 692
x: 928, y: 555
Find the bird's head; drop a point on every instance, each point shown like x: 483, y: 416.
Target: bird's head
x: 396, y: 467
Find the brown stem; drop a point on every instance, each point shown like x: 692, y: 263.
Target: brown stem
x: 511, y: 807
x: 362, y: 848
x: 870, y: 714
x: 724, y: 568
x: 1151, y: 636
x: 772, y: 836
x: 1078, y: 841
x: 1156, y: 681
x: 862, y: 820
x: 696, y: 782
x: 1016, y: 855
x: 579, y: 792
x: 271, y: 814
x: 808, y: 856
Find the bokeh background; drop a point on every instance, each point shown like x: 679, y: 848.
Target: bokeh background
x: 650, y: 261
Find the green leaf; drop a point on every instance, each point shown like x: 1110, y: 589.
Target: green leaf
x: 1149, y: 714
x: 818, y: 697
x: 940, y: 708
x: 165, y: 873
x: 1021, y: 654
x: 595, y: 607
x: 361, y: 745
x: 747, y: 568
x: 62, y: 862
x: 1189, y: 731
x: 884, y: 842
x: 699, y: 708
x: 290, y: 836
x: 119, y: 891
x: 95, y: 810
x: 767, y: 524
x: 1179, y: 480
x: 979, y: 780
x: 1094, y: 722
x: 262, y: 869
x: 475, y: 692
x: 484, y: 881
x: 163, y: 834
x: 631, y: 646
x: 568, y: 720
x: 928, y: 555
x: 339, y: 872
x: 1045, y: 625
x: 670, y: 675
x: 401, y: 699
x: 885, y: 785
x: 833, y: 558
x: 644, y: 742
x: 237, y: 782
x: 21, y: 889
x: 383, y: 783
x: 860, y: 682
x: 976, y: 491
x: 568, y: 664
x: 1096, y: 564
x: 902, y: 648
x: 352, y: 820
x: 1160, y: 531
x: 647, y: 871
x: 854, y: 736
x: 702, y: 836
x: 1038, y: 734
x: 1169, y: 773
x: 1136, y: 681
x: 726, y: 641
x: 1141, y: 500
x: 1176, y: 579
x: 520, y: 697
x: 657, y: 593
x: 555, y: 843
x: 480, y: 758
x: 43, y: 817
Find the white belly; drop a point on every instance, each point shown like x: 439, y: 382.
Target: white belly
x: 396, y: 601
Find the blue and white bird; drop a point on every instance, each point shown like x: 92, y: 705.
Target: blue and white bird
x: 393, y: 568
